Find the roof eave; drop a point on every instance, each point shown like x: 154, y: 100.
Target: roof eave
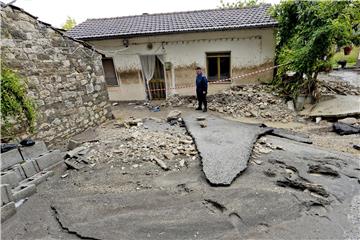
x: 127, y: 36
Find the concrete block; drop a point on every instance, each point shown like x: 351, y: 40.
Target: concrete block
x: 23, y: 190
x: 37, y: 178
x: 10, y: 158
x: 19, y: 172
x: 49, y: 159
x: 10, y: 177
x: 6, y: 194
x: 33, y: 151
x: 7, y: 211
x: 30, y: 168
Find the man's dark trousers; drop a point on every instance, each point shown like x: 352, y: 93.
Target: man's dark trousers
x: 201, y: 97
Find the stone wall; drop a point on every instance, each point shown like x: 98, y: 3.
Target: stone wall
x: 64, y: 77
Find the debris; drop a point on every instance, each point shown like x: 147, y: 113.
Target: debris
x: 72, y: 144
x: 182, y: 163
x: 27, y: 142
x: 65, y: 175
x: 349, y: 120
x: 160, y: 163
x: 72, y: 165
x: 202, y: 118
x: 356, y: 146
x: 115, y: 104
x: 318, y: 120
x: 7, y: 147
x: 323, y: 170
x: 345, y: 129
x: 173, y: 115
x: 203, y: 124
x: 72, y: 153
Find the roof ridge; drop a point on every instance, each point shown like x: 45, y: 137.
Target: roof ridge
x: 181, y: 12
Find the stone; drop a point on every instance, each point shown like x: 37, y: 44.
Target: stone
x: 173, y: 115
x: 10, y: 177
x: 160, y: 163
x: 201, y: 118
x: 349, y: 120
x: 33, y: 151
x: 318, y: 120
x: 203, y: 124
x: 10, y: 158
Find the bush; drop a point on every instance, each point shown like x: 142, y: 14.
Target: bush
x: 17, y: 109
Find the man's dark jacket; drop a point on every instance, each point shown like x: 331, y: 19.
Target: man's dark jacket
x: 201, y: 83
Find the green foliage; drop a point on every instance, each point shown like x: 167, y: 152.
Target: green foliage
x: 350, y: 59
x: 15, y: 105
x: 70, y: 23
x: 307, y: 34
x: 240, y: 4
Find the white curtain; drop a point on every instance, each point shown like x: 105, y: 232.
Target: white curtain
x: 148, y: 66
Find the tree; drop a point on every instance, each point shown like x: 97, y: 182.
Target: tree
x: 17, y: 109
x: 239, y: 4
x: 308, y: 33
x: 70, y: 23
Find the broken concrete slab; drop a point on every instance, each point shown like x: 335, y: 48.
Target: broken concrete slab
x: 37, y: 178
x: 22, y: 191
x: 30, y: 168
x: 6, y: 194
x: 10, y: 158
x: 173, y: 115
x: 7, y: 211
x: 48, y: 159
x: 10, y: 177
x: 225, y: 146
x: 345, y: 129
x: 33, y: 151
x: 284, y: 133
x: 337, y: 106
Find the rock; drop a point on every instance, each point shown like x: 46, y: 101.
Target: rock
x: 134, y: 122
x: 317, y: 120
x: 173, y: 115
x: 203, y: 124
x: 349, y: 120
x: 182, y: 163
x: 345, y: 129
x: 169, y: 155
x: 202, y: 118
x: 290, y: 105
x: 75, y: 151
x: 160, y: 163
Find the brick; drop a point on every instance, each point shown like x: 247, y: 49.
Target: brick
x: 10, y: 158
x: 6, y: 194
x: 23, y: 190
x: 49, y: 159
x: 19, y: 172
x: 10, y: 177
x: 38, y: 178
x: 7, y: 211
x: 33, y: 151
x: 30, y: 168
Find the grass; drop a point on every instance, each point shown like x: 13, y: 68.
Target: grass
x: 350, y: 59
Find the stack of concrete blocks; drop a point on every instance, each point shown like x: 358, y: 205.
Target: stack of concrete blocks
x: 21, y: 170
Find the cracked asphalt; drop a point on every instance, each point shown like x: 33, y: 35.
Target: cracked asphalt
x: 282, y: 194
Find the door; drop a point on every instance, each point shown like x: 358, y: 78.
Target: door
x: 157, y: 83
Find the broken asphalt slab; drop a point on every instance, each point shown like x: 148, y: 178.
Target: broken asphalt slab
x: 225, y: 146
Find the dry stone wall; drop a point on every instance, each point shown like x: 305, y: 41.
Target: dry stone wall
x: 64, y: 77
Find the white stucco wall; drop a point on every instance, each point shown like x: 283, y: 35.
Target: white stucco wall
x: 249, y: 48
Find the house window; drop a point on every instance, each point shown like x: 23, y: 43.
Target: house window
x: 109, y: 70
x: 218, y: 65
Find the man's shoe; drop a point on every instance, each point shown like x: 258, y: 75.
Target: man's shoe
x: 198, y: 109
x: 205, y: 110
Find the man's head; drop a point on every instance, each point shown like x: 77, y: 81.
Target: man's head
x: 198, y: 70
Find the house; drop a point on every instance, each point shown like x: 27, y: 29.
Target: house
x: 159, y: 52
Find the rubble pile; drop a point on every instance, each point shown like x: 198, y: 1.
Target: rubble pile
x: 256, y: 101
x: 338, y: 87
x: 131, y: 145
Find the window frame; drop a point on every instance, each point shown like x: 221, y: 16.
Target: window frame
x: 116, y: 75
x: 218, y: 55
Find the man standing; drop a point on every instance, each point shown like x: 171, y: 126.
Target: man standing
x: 201, y: 89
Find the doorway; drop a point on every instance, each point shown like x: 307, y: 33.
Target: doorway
x: 157, y: 83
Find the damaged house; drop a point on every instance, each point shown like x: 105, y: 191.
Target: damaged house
x: 157, y: 53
